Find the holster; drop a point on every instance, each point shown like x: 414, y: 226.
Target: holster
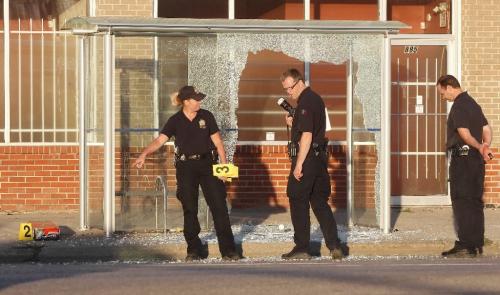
x: 460, y: 151
x: 292, y: 149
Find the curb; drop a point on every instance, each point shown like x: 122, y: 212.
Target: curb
x: 53, y: 253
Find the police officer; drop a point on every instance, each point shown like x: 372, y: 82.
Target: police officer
x: 308, y: 182
x: 468, y: 141
x: 198, y: 144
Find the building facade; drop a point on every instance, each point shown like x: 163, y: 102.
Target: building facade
x: 39, y: 124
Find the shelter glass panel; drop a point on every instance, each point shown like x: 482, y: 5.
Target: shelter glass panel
x: 223, y: 65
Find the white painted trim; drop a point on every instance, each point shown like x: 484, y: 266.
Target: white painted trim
x: 419, y: 153
x: 230, y: 9
x: 435, y: 200
x: 91, y: 7
x: 6, y: 70
x: 427, y: 41
x: 422, y: 36
x: 457, y: 32
x: 278, y: 142
x: 382, y: 10
x: 38, y: 144
x: 307, y: 9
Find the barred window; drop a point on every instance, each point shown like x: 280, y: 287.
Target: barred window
x: 43, y: 73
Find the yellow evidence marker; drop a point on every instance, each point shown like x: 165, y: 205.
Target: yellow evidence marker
x: 225, y: 170
x: 26, y: 232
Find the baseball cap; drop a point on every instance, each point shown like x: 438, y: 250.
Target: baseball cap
x: 188, y: 92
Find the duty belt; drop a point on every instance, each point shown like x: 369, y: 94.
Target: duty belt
x: 184, y: 157
x: 315, y: 149
x: 461, y: 151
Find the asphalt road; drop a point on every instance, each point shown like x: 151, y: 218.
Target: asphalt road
x: 364, y: 276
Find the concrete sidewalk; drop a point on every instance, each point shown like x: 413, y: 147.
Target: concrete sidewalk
x: 262, y: 233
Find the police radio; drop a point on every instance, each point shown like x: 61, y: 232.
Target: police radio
x: 286, y: 106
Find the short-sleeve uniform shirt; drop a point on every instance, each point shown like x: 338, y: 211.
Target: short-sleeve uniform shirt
x: 465, y: 113
x: 192, y: 137
x: 309, y: 117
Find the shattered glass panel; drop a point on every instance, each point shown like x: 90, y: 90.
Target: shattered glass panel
x: 215, y: 67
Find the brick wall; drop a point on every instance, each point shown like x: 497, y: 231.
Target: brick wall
x: 481, y: 73
x: 46, y: 178
x: 124, y: 8
x: 492, y: 180
x: 39, y: 178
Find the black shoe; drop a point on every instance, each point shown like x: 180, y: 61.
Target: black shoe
x: 193, y: 257
x: 337, y: 253
x: 296, y: 254
x: 232, y: 256
x: 460, y: 252
x: 480, y: 251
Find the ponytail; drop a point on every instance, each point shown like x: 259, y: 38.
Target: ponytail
x: 174, y: 98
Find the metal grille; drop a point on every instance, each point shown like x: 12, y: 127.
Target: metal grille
x: 418, y: 122
x: 43, y: 82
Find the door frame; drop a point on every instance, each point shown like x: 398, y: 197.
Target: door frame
x: 453, y: 62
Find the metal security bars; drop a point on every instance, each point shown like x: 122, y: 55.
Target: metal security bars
x: 43, y: 84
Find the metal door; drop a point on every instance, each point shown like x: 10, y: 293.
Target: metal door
x: 418, y: 121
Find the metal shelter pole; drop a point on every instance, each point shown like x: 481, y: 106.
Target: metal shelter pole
x: 385, y: 146
x: 84, y: 222
x: 156, y: 85
x: 109, y: 156
x: 349, y: 145
x: 385, y: 133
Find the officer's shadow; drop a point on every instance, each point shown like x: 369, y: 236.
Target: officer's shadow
x: 252, y: 198
x: 253, y: 195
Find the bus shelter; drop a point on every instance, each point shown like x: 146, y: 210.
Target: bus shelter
x: 128, y: 66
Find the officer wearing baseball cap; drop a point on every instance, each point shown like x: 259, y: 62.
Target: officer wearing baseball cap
x: 198, y: 146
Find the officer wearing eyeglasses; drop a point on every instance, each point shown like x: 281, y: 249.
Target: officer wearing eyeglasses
x: 308, y: 182
x: 198, y: 146
x: 468, y: 141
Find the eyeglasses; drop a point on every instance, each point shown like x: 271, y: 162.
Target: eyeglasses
x: 291, y: 87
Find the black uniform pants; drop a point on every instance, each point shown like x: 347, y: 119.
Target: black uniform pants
x: 313, y: 189
x: 467, y: 186
x: 190, y: 175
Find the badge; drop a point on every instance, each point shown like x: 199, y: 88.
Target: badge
x: 303, y: 112
x: 202, y: 124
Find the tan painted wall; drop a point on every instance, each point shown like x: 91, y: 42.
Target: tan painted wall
x: 481, y: 73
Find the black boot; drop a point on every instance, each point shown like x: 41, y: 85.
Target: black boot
x: 459, y: 251
x: 296, y: 254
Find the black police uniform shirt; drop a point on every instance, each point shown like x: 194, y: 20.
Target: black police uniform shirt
x: 465, y: 113
x: 192, y: 137
x: 309, y: 117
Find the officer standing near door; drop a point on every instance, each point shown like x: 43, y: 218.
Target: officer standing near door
x: 468, y: 141
x: 198, y: 146
x: 308, y: 182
